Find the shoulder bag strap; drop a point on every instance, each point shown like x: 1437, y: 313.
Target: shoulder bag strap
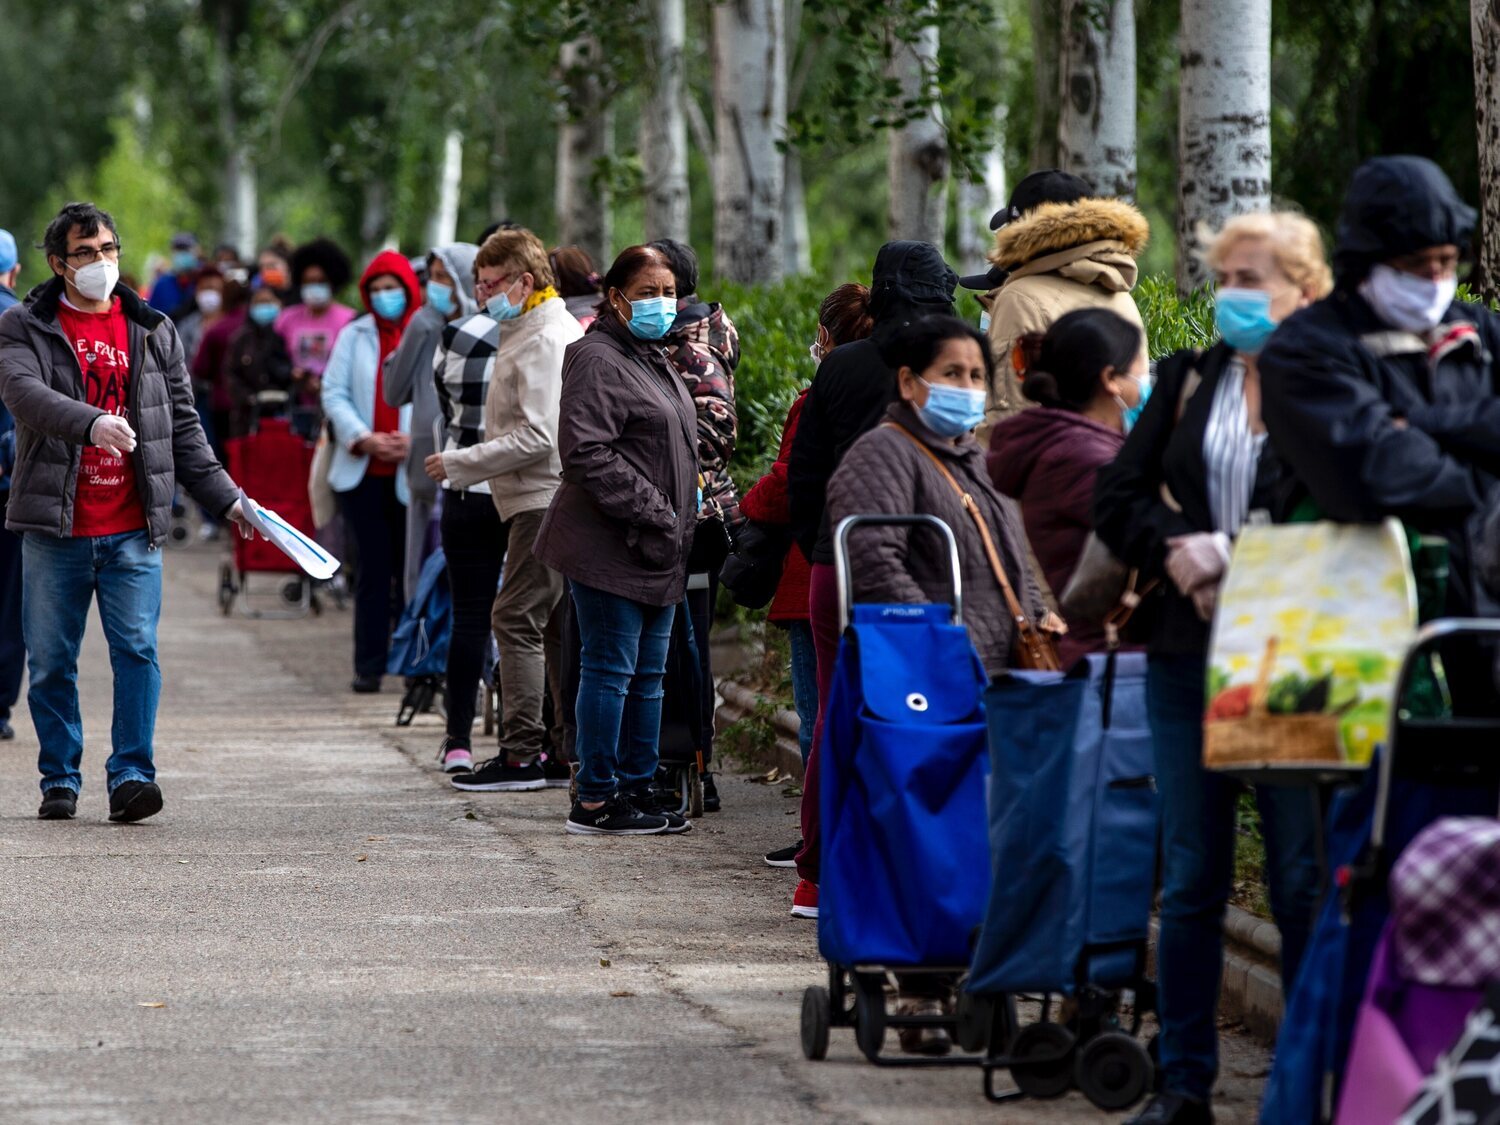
x: 972, y: 508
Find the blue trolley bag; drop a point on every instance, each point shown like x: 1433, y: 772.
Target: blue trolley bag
x: 419, y: 646
x: 905, y: 861
x: 1073, y: 827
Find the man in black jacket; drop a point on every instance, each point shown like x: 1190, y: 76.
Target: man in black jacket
x: 1383, y: 397
x: 848, y: 397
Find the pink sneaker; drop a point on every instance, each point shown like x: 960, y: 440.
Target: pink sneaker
x: 805, y: 900
x: 454, y: 759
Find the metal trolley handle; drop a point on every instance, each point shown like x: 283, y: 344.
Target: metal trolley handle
x: 1428, y: 638
x: 841, y: 564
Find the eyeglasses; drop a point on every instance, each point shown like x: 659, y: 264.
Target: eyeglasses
x: 90, y: 254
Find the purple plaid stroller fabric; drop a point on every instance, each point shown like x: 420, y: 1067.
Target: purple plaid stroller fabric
x: 1439, y: 951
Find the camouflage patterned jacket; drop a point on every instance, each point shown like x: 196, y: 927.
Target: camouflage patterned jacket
x: 705, y: 348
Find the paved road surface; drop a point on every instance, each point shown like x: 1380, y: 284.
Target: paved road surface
x: 318, y: 929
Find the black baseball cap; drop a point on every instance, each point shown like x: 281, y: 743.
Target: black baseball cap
x: 1047, y: 186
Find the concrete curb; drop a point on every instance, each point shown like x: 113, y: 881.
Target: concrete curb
x: 1251, y: 988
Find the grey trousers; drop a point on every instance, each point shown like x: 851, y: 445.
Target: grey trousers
x: 527, y: 621
x: 418, y: 513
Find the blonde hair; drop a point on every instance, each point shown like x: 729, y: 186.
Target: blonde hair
x: 520, y: 250
x: 1296, y: 246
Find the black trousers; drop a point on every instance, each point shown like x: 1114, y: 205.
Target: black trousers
x: 376, y: 520
x: 474, y: 539
x: 12, y: 643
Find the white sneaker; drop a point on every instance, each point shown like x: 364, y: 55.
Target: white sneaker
x: 454, y: 759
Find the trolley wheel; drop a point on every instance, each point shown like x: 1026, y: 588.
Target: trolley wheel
x: 692, y: 782
x: 1052, y: 1044
x: 226, y: 588
x: 1113, y: 1070
x: 817, y: 1013
x: 291, y: 591
x: 973, y: 1016
x: 869, y: 1014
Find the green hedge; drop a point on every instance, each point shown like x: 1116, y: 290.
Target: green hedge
x: 778, y: 322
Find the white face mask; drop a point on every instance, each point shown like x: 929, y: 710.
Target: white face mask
x: 1412, y: 304
x: 209, y: 300
x: 97, y: 280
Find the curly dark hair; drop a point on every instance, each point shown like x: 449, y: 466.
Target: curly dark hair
x: 324, y: 253
x: 86, y: 217
x: 684, y: 262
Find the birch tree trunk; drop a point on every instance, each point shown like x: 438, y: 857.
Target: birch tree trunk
x: 499, y: 202
x: 1096, y: 121
x: 1046, y: 49
x: 239, y: 185
x: 1484, y: 20
x: 749, y: 46
x: 1224, y: 122
x: 585, y: 142
x: 917, y: 164
x: 442, y: 230
x: 664, y: 129
x: 796, y: 239
x: 978, y: 202
x: 374, y: 221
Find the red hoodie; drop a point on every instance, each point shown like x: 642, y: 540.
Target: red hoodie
x: 388, y: 418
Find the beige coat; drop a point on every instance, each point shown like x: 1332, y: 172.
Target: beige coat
x: 519, y: 455
x: 1061, y: 257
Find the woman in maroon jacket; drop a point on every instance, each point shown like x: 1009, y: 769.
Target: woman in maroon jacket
x: 1088, y: 381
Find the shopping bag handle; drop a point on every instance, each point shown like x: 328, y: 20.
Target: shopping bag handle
x: 1428, y: 638
x: 841, y: 564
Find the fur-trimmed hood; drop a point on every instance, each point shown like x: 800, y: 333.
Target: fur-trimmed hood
x: 1055, y: 227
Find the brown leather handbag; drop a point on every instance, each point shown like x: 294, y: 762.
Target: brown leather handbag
x: 1035, y: 651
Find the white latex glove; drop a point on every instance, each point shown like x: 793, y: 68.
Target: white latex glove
x: 236, y: 513
x: 112, y: 434
x: 1194, y: 561
x: 1205, y: 598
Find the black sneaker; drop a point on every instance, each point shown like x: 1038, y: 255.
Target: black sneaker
x: 1174, y: 1109
x: 556, y: 774
x: 134, y: 800
x: 711, y: 801
x: 59, y: 803
x: 499, y: 776
x: 365, y: 685
x: 649, y: 802
x: 616, y: 817
x: 784, y: 857
x: 7, y: 732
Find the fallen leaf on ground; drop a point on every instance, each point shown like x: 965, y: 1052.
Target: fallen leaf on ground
x: 151, y: 1004
x: 470, y: 816
x: 360, y: 858
x: 767, y: 778
x: 604, y: 962
x: 621, y: 994
x: 375, y: 839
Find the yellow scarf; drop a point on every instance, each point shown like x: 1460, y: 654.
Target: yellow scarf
x: 538, y: 297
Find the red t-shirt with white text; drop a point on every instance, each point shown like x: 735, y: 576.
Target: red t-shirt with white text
x: 106, y: 501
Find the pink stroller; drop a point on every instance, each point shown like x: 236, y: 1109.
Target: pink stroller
x: 1439, y: 951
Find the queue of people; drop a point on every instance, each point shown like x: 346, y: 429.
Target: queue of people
x: 570, y: 435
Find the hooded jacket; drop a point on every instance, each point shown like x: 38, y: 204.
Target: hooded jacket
x: 855, y: 384
x: 1375, y: 422
x: 42, y: 386
x: 1047, y: 459
x: 705, y: 348
x: 350, y: 379
x: 408, y: 370
x: 1060, y: 257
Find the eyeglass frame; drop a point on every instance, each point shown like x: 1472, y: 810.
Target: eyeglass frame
x: 110, y: 250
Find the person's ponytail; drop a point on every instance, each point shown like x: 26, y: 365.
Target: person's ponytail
x: 1073, y: 355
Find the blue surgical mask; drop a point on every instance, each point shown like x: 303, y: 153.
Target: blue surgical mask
x: 184, y: 261
x: 388, y: 304
x: 440, y: 297
x: 951, y: 411
x: 263, y: 314
x: 1132, y: 414
x: 500, y: 307
x: 1244, y: 318
x: 651, y: 318
x: 317, y: 294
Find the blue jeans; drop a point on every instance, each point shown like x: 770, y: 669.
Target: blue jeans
x: 60, y: 577
x: 804, y: 683
x: 623, y: 661
x: 1198, y: 836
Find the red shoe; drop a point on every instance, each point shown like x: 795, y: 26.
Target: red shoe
x: 805, y: 900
